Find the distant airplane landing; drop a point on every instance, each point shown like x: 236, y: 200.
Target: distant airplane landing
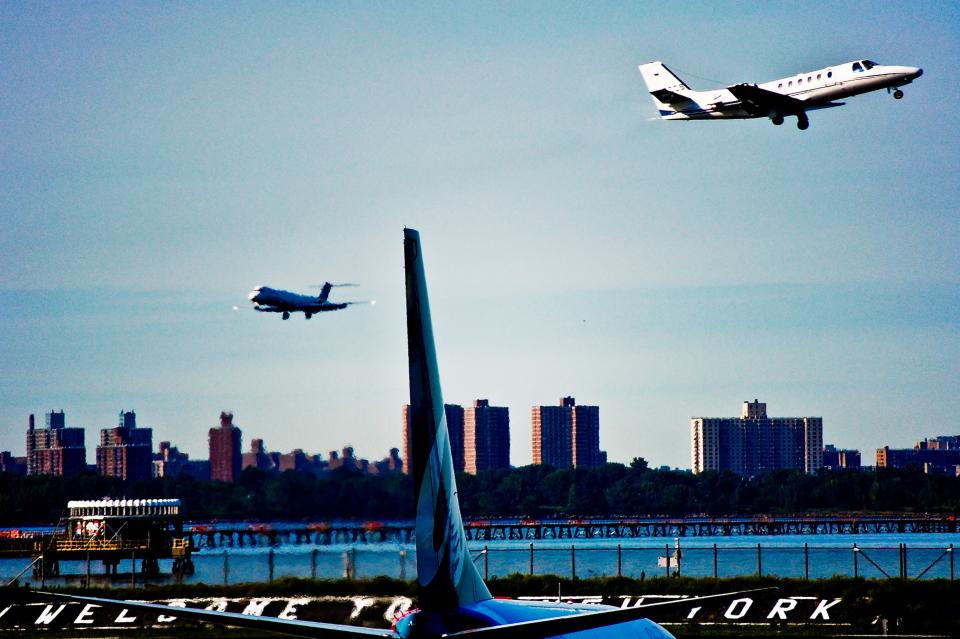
x: 794, y: 95
x: 271, y: 300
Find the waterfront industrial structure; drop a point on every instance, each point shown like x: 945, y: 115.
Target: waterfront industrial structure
x: 142, y: 531
x: 567, y: 435
x: 755, y: 443
x: 126, y: 451
x: 55, y: 449
x: 354, y: 532
x: 486, y: 437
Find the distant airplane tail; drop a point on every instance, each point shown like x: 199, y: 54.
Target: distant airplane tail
x: 664, y: 86
x: 445, y: 573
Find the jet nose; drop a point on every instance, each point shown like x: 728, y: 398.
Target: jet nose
x: 253, y: 296
x: 917, y: 73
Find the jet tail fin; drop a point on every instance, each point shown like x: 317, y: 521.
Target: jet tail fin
x: 657, y: 76
x: 446, y: 575
x: 664, y: 86
x: 324, y: 292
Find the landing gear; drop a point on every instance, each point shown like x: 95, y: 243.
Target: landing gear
x: 898, y: 94
x: 308, y: 315
x: 802, y: 122
x: 285, y: 315
x: 777, y: 120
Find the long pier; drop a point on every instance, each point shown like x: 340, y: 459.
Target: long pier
x: 221, y: 536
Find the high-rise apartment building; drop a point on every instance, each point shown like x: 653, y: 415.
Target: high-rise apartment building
x: 226, y: 455
x: 755, y: 443
x: 56, y: 449
x: 567, y: 435
x: 486, y: 437
x: 454, y: 414
x: 126, y: 452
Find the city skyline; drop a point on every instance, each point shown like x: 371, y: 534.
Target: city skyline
x: 160, y: 161
x: 749, y: 445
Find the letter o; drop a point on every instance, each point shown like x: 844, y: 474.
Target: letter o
x: 738, y: 608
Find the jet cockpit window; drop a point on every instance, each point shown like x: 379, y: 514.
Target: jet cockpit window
x: 857, y: 68
x: 868, y: 64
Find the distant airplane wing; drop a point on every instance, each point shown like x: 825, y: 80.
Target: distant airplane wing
x: 290, y: 627
x: 760, y: 101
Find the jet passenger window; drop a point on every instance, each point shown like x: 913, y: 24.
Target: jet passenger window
x: 857, y: 68
x: 818, y: 76
x: 829, y: 74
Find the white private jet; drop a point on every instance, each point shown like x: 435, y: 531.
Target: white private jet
x: 794, y: 95
x: 271, y: 300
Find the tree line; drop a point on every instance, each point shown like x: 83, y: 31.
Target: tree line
x: 529, y: 491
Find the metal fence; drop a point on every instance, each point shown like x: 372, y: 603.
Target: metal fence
x: 717, y: 561
x: 807, y: 562
x: 584, y: 561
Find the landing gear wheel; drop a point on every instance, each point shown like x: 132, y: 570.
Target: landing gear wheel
x: 777, y: 120
x: 803, y: 124
x: 898, y: 94
x: 285, y: 315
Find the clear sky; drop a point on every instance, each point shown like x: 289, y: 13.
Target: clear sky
x: 158, y: 160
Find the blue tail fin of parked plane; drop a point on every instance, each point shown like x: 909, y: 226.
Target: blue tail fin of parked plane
x: 446, y: 575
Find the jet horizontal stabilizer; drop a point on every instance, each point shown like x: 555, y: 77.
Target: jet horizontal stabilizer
x: 669, y: 97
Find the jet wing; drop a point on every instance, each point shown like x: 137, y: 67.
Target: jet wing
x: 545, y: 628
x: 290, y: 627
x: 760, y: 101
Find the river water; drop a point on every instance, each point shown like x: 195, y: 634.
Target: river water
x: 878, y: 555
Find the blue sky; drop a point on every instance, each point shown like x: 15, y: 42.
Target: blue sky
x: 159, y: 160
